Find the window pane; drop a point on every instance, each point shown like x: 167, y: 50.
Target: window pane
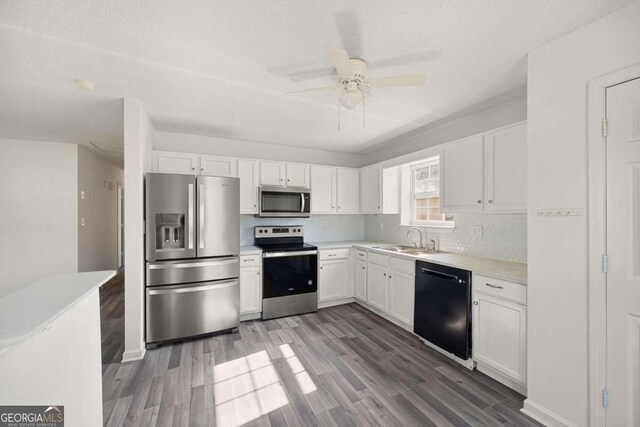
x: 421, y: 174
x: 422, y: 214
x: 422, y: 203
x: 435, y: 171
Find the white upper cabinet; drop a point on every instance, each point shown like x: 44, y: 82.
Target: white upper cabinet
x: 348, y: 190
x: 462, y: 176
x: 323, y: 189
x: 371, y: 190
x: 248, y: 172
x: 297, y: 175
x: 505, y: 162
x: 272, y: 173
x: 177, y: 163
x: 218, y: 166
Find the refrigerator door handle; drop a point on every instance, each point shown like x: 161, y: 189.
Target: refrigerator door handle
x: 190, y: 214
x: 201, y: 216
x: 185, y: 289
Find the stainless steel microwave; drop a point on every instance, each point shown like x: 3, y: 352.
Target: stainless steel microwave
x: 284, y: 202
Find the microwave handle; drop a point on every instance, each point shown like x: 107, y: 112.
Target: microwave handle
x: 302, y: 198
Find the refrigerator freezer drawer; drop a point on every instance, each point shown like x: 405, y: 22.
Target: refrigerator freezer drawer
x: 190, y: 271
x: 193, y: 309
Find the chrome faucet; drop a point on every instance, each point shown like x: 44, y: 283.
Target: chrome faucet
x: 419, y: 231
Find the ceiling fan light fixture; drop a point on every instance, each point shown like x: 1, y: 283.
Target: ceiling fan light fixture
x: 351, y: 98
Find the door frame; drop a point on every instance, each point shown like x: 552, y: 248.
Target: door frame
x: 120, y: 231
x: 597, y: 284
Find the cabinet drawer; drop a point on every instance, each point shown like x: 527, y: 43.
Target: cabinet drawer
x: 406, y: 265
x: 500, y: 288
x: 377, y: 258
x: 334, y: 254
x: 250, y: 260
x: 361, y: 255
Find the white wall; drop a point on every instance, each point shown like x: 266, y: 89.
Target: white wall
x: 406, y: 148
x: 98, y: 238
x: 138, y: 143
x: 253, y: 150
x: 557, y: 164
x: 38, y: 211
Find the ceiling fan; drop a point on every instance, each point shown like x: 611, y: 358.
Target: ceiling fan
x: 352, y: 79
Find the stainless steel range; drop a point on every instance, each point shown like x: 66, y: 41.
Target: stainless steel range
x: 290, y: 271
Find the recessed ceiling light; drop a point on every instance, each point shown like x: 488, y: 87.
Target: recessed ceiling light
x: 86, y: 84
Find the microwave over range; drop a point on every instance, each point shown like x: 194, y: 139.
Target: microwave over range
x: 284, y: 202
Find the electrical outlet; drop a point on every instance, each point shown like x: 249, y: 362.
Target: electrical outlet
x: 82, y: 195
x: 382, y: 226
x: 82, y: 222
x: 477, y: 231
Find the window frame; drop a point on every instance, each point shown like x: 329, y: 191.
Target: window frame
x: 443, y: 223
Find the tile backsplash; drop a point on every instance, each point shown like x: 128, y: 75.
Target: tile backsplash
x: 504, y: 236
x: 318, y: 228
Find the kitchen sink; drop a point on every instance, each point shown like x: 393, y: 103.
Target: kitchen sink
x: 408, y: 250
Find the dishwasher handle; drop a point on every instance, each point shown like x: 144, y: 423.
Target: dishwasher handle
x: 441, y: 275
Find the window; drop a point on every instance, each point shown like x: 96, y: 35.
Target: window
x: 425, y: 195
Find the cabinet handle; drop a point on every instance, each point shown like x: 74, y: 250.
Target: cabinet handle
x: 479, y: 201
x: 363, y: 268
x: 288, y: 180
x: 202, y: 169
x: 490, y: 201
x: 475, y: 303
x: 321, y: 268
x: 390, y: 277
x: 193, y: 168
x: 255, y: 206
x: 385, y: 274
x: 494, y: 286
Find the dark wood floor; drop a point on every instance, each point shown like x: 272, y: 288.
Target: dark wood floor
x: 341, y: 366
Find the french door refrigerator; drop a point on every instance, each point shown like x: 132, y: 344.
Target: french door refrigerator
x: 192, y: 248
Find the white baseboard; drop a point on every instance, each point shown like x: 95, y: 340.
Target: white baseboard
x: 326, y: 304
x: 133, y: 355
x: 544, y: 416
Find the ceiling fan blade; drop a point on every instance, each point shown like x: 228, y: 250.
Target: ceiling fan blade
x: 340, y: 60
x: 408, y: 80
x: 314, y: 89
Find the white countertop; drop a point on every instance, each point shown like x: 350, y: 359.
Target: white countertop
x: 511, y: 271
x: 29, y: 310
x: 250, y: 250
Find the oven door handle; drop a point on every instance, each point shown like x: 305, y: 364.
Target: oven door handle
x: 285, y: 254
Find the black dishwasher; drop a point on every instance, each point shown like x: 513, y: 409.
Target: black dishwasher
x: 443, y: 307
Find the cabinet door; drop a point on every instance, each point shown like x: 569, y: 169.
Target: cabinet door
x: 348, y: 190
x: 178, y: 163
x: 250, y: 290
x: 333, y: 280
x: 297, y: 175
x: 401, y: 295
x: 461, y: 176
x: 499, y: 335
x: 272, y: 173
x: 361, y: 280
x: 370, y: 189
x: 505, y: 163
x: 377, y: 287
x: 249, y: 182
x: 218, y: 166
x: 323, y: 189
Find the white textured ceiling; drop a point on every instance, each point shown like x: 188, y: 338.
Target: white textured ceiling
x: 222, y: 68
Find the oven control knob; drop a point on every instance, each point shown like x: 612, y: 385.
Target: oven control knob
x: 310, y: 282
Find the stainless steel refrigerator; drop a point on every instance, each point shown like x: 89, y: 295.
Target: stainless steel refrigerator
x: 192, y: 248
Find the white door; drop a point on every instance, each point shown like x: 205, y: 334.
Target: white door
x: 297, y: 175
x: 218, y: 166
x: 178, y: 163
x: 461, y: 176
x: 505, y: 163
x: 323, y: 189
x: 272, y: 173
x: 377, y: 287
x: 370, y: 189
x: 500, y: 335
x: 333, y: 280
x: 249, y: 182
x: 250, y: 290
x: 348, y: 190
x: 401, y: 295
x: 361, y: 280
x: 623, y: 248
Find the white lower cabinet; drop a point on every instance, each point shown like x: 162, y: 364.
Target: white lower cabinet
x: 500, y: 331
x: 401, y: 295
x: 377, y: 295
x: 250, y: 284
x: 361, y: 280
x: 333, y: 275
